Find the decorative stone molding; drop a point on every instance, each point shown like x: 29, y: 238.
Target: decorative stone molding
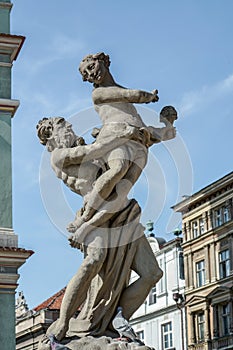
x: 8, y: 238
x: 8, y: 106
x: 11, y: 45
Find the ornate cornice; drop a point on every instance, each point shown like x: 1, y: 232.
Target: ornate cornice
x: 8, y: 106
x: 11, y: 45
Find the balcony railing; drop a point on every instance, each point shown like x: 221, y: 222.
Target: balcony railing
x: 222, y: 343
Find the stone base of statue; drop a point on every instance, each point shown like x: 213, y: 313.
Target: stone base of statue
x: 100, y: 343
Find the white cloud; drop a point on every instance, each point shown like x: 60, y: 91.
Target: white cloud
x: 63, y: 45
x: 195, y: 100
x: 60, y: 47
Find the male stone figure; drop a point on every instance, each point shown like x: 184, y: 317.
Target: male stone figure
x: 95, y: 171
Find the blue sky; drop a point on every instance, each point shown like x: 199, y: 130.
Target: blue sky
x: 183, y: 48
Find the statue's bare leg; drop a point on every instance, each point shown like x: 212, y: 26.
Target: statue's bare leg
x: 76, y: 290
x: 149, y: 274
x: 125, y: 163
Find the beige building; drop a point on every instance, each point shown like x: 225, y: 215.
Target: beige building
x: 31, y: 325
x: 207, y: 218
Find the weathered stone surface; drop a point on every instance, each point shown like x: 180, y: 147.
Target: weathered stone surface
x: 107, y: 228
x: 102, y: 343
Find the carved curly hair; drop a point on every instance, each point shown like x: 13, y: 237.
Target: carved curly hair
x: 45, y: 128
x: 101, y: 56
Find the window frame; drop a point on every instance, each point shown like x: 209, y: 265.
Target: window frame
x: 181, y: 265
x: 153, y: 296
x: 167, y: 336
x: 141, y: 334
x: 200, y: 274
x: 226, y: 214
x: 224, y: 264
x: 201, y: 226
x: 200, y: 326
x: 225, y: 319
x: 218, y: 217
x: 195, y: 228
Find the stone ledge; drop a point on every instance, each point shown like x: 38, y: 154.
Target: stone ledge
x: 8, y: 106
x: 101, y: 343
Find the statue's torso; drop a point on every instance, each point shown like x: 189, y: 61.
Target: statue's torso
x: 78, y: 177
x: 119, y: 112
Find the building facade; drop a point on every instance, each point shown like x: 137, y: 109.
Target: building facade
x: 11, y: 256
x: 207, y: 218
x: 31, y: 325
x: 160, y: 321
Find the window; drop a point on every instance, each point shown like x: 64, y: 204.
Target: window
x: 198, y: 227
x: 226, y: 214
x: 224, y: 263
x: 195, y: 229
x: 200, y: 273
x: 225, y: 319
x: 152, y: 296
x: 167, y: 335
x: 140, y: 335
x: 161, y: 283
x: 200, y: 326
x: 181, y: 266
x: 218, y: 217
x: 202, y: 226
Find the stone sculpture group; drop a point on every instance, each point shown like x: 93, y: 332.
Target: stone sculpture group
x: 107, y: 228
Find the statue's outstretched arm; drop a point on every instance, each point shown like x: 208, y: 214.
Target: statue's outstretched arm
x: 161, y: 134
x: 77, y: 155
x: 119, y: 94
x: 168, y: 115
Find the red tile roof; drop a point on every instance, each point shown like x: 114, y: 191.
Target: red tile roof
x: 52, y: 303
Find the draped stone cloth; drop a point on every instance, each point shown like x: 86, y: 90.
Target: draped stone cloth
x: 108, y: 285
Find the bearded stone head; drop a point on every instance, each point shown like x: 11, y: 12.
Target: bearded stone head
x: 55, y: 132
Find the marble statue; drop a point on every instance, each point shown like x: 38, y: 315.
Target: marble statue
x: 107, y: 228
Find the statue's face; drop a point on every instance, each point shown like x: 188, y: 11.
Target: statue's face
x: 64, y: 134
x: 93, y: 70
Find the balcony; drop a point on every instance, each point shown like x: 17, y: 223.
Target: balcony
x: 223, y: 343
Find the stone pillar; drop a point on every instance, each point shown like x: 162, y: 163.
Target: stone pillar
x: 5, y: 8
x: 5, y: 122
x: 11, y: 257
x: 208, y: 264
x: 186, y: 271
x: 210, y: 219
x: 10, y: 260
x: 205, y: 219
x: 231, y: 313
x: 191, y: 328
x: 190, y: 271
x: 188, y: 229
x: 184, y: 230
x: 213, y: 262
x: 207, y: 323
x: 230, y: 238
x: 215, y: 322
x: 5, y: 171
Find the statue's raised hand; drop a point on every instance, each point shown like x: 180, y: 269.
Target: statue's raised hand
x: 155, y: 96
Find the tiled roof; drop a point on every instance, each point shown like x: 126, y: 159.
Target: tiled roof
x: 52, y: 303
